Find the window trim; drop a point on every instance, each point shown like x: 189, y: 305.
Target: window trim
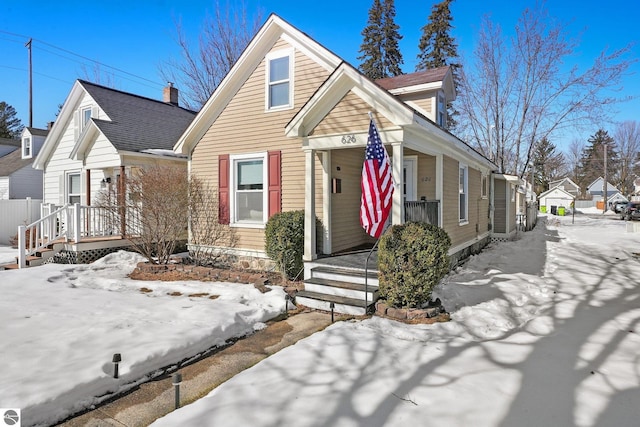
x: 484, y: 186
x: 27, y: 147
x: 67, y: 190
x: 233, y: 162
x: 463, y: 189
x: 267, y: 85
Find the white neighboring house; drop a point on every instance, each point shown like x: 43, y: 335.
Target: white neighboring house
x: 555, y: 197
x: 18, y: 179
x: 102, y: 136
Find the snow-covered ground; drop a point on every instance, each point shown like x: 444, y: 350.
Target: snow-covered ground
x: 60, y: 326
x: 7, y: 254
x: 544, y: 332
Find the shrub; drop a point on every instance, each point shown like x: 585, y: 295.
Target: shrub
x: 412, y: 259
x: 284, y: 241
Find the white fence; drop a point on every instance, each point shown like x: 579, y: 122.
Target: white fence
x: 14, y: 213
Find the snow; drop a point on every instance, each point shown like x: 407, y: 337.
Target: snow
x: 543, y: 332
x: 7, y: 254
x: 62, y: 324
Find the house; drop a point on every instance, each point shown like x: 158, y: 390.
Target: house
x: 567, y: 185
x: 596, y: 189
x: 101, y: 136
x: 287, y: 128
x: 18, y: 180
x: 7, y: 145
x: 554, y: 198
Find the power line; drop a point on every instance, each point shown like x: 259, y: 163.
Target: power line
x: 155, y: 83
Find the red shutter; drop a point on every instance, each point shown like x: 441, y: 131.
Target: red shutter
x: 275, y: 182
x: 223, y: 189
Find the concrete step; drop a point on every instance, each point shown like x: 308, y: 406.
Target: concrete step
x: 341, y: 288
x: 318, y: 301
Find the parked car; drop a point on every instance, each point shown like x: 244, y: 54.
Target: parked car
x: 632, y: 211
x: 618, y: 207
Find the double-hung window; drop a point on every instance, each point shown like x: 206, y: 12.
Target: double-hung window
x: 442, y: 111
x: 26, y: 148
x: 249, y: 185
x: 73, y: 188
x: 85, y: 115
x: 463, y: 193
x: 279, y: 89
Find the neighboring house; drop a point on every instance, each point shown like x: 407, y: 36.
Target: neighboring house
x: 555, y: 197
x: 567, y: 185
x: 101, y: 136
x: 596, y: 189
x: 18, y: 179
x: 287, y: 128
x: 617, y: 197
x: 8, y: 145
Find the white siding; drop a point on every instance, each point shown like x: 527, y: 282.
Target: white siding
x: 4, y: 188
x: 59, y: 163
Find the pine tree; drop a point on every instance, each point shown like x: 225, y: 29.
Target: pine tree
x: 380, y: 55
x: 548, y: 165
x: 592, y: 161
x: 437, y: 48
x: 10, y: 126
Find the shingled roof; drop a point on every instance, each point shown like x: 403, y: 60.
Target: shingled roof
x: 138, y: 123
x: 13, y: 162
x: 414, y: 79
x: 11, y: 142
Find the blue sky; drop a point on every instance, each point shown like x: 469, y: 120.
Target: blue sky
x: 135, y: 36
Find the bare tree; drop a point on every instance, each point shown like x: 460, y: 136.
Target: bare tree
x: 150, y: 209
x: 516, y: 91
x: 199, y: 70
x: 209, y: 240
x: 627, y: 137
x: 573, y: 155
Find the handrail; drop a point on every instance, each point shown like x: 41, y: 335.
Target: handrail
x: 40, y: 234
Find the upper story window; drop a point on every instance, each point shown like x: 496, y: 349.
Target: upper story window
x: 279, y: 91
x: 85, y: 115
x: 464, y: 194
x: 248, y: 189
x: 26, y: 148
x: 442, y: 111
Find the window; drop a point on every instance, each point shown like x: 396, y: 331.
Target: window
x: 26, y: 148
x: 484, y: 189
x: 73, y: 188
x: 279, y: 80
x: 442, y: 111
x: 249, y: 198
x: 85, y: 115
x: 464, y: 194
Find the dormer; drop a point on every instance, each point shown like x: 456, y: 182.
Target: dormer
x: 428, y: 92
x: 31, y: 141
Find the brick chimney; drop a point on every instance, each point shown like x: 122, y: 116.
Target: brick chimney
x: 50, y: 125
x: 170, y: 94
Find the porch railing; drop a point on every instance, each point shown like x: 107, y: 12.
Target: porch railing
x: 65, y: 223
x: 422, y: 211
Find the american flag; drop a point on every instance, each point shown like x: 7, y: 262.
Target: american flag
x: 376, y: 184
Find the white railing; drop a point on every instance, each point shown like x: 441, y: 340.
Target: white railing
x: 65, y: 223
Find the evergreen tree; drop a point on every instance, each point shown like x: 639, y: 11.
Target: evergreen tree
x: 437, y: 48
x: 10, y: 126
x: 592, y: 161
x: 548, y: 165
x: 380, y: 55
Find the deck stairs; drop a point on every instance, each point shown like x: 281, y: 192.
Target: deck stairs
x: 40, y: 257
x: 342, y: 286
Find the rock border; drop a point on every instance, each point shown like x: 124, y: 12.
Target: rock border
x: 427, y: 315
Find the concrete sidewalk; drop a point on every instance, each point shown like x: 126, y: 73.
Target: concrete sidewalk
x: 156, y: 398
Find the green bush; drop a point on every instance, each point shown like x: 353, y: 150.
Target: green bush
x: 412, y: 259
x: 284, y: 241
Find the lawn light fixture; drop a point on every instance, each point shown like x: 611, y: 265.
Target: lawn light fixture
x: 332, y: 306
x: 287, y: 298
x: 176, y: 380
x: 117, y: 358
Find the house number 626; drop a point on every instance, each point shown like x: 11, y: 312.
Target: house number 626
x: 349, y: 139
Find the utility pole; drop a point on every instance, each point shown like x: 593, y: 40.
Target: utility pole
x: 28, y: 46
x: 604, y: 193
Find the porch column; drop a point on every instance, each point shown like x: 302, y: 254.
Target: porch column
x: 440, y: 185
x: 309, y: 206
x: 326, y: 201
x: 397, y: 210
x: 88, y: 187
